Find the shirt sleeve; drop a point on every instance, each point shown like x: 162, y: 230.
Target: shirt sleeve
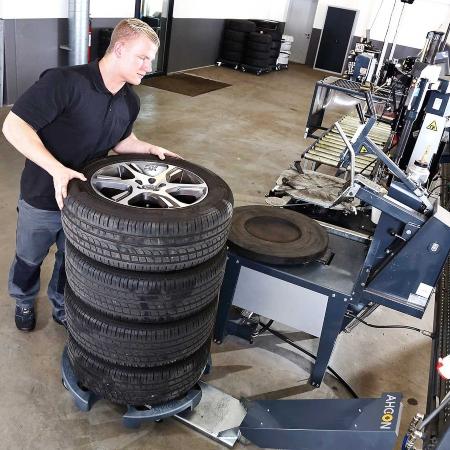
x: 45, y: 100
x: 135, y: 111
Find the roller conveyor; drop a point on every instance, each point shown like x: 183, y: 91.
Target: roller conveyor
x: 328, y: 149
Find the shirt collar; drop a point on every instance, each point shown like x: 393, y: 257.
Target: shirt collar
x: 97, y: 80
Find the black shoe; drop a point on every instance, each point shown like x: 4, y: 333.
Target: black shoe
x: 62, y: 322
x: 25, y: 318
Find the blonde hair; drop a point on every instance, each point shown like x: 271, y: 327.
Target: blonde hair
x: 131, y: 28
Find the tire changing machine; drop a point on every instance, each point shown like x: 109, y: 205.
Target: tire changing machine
x: 398, y: 267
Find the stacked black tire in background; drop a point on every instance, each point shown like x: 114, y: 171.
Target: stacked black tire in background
x: 234, y: 40
x: 254, y: 45
x: 257, y: 52
x: 143, y: 284
x: 274, y: 30
x: 275, y: 49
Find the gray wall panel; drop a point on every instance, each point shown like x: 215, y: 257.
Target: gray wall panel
x: 194, y: 43
x: 32, y: 45
x: 37, y: 49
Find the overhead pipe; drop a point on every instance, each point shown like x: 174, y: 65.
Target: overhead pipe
x: 78, y: 31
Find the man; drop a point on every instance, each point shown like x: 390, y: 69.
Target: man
x: 69, y: 117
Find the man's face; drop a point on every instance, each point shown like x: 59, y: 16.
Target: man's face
x: 135, y: 58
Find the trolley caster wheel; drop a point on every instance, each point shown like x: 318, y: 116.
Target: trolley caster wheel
x: 243, y: 69
x: 258, y: 73
x: 218, y: 63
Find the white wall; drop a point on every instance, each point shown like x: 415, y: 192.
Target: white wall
x: 418, y: 18
x: 231, y: 9
x: 111, y: 8
x: 51, y: 9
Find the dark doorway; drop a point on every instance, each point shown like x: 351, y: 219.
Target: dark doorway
x: 335, y: 40
x: 158, y: 14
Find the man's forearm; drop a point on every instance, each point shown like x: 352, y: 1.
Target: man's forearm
x: 26, y: 141
x: 133, y: 145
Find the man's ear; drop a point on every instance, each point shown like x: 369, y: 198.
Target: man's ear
x: 118, y: 48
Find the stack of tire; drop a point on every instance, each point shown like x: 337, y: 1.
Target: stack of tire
x: 234, y: 40
x: 285, y: 50
x: 257, y: 52
x: 143, y: 280
x: 275, y: 49
x: 271, y: 50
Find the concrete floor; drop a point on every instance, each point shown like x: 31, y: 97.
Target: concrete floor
x: 247, y: 133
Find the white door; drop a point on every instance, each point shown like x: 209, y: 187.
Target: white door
x: 299, y: 23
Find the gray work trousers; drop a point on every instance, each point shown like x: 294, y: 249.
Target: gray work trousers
x: 37, y: 231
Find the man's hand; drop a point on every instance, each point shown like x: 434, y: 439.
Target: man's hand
x: 161, y: 153
x: 61, y: 177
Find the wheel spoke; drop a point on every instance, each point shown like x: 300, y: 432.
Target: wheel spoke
x: 163, y: 176
x: 124, y: 197
x: 187, y: 190
x: 182, y: 186
x: 170, y: 201
x: 134, y: 169
x: 106, y: 181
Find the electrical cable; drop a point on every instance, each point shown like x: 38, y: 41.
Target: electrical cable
x: 293, y: 344
x: 368, y: 165
x: 398, y: 23
x: 263, y: 328
x: 438, y: 186
x: 376, y: 15
x: 372, y: 162
x: 406, y: 327
x: 389, y: 23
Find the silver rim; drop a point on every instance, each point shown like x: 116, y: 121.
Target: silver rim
x: 144, y: 184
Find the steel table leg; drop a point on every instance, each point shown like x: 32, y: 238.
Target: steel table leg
x: 226, y: 297
x: 332, y: 325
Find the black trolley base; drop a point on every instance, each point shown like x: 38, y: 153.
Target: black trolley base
x: 84, y: 399
x: 289, y: 424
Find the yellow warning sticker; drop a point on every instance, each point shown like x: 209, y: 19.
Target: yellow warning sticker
x: 432, y: 126
x: 363, y: 149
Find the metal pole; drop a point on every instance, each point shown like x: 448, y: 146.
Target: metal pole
x: 385, y: 46
x: 394, y: 41
x: 78, y: 31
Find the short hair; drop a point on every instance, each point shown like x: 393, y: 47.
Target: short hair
x: 131, y: 28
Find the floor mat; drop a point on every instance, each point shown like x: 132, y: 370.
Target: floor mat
x: 185, y: 84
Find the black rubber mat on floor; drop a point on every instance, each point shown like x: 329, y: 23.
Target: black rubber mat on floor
x: 185, y: 84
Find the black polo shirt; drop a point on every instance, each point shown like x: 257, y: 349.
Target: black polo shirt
x: 77, y: 119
